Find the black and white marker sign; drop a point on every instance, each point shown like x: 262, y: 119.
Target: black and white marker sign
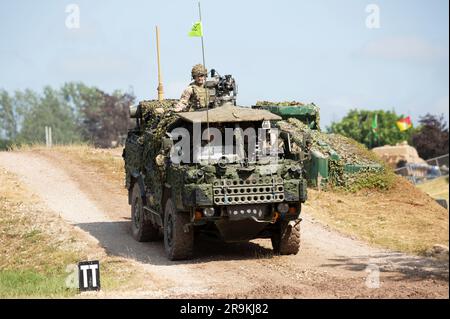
x: 89, y: 275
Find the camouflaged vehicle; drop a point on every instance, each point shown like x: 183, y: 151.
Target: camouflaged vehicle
x: 226, y: 194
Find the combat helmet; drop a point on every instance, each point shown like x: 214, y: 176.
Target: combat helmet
x: 199, y: 69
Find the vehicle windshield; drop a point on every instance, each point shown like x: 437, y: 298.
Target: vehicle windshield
x: 236, y: 143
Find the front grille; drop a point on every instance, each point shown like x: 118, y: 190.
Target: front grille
x: 249, y: 191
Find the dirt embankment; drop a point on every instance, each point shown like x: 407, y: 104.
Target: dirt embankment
x: 329, y: 264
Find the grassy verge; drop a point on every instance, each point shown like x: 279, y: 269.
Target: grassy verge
x: 402, y: 218
x: 37, y: 248
x: 32, y: 264
x: 436, y: 188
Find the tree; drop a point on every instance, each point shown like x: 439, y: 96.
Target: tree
x: 80, y: 96
x: 105, y: 117
x: 8, y: 123
x: 431, y: 140
x: 51, y: 110
x: 75, y: 112
x: 358, y: 125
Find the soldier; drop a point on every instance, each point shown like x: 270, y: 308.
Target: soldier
x: 195, y: 96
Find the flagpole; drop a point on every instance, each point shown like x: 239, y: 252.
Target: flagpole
x: 207, y: 101
x: 203, y: 45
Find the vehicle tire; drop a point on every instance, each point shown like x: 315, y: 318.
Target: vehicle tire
x: 177, y: 243
x: 142, y: 230
x: 286, y: 241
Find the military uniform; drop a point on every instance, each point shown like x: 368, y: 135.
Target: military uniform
x: 195, y: 96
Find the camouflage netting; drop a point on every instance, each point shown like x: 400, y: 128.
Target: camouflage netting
x: 148, y: 109
x: 153, y: 128
x: 347, y: 149
x: 294, y: 109
x: 285, y: 103
x: 157, y: 122
x: 343, y: 152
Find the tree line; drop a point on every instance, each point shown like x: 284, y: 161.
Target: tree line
x: 75, y: 112
x: 80, y: 113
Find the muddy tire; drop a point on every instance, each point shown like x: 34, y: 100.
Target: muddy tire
x: 142, y: 230
x: 286, y: 241
x: 178, y: 243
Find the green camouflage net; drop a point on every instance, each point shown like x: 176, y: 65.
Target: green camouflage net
x: 154, y: 123
x: 148, y: 110
x: 307, y: 113
x: 285, y: 103
x: 153, y: 128
x: 343, y: 152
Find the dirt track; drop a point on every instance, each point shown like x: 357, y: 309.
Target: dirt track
x: 329, y: 265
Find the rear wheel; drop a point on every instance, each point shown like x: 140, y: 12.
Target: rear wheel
x: 178, y: 240
x: 286, y: 240
x: 142, y: 230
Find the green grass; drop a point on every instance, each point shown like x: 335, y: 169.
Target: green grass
x: 33, y: 262
x: 30, y: 283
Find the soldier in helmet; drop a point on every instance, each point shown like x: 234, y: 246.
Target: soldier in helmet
x: 195, y: 96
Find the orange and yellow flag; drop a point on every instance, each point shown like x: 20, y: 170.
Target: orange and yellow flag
x: 404, y: 124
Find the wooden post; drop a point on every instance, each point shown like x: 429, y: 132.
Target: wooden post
x: 50, y: 136
x: 160, y: 85
x: 46, y: 136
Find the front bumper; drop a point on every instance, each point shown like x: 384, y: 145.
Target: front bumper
x: 226, y: 192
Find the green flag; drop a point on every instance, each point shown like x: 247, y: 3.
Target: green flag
x: 375, y: 123
x: 197, y: 30
x: 375, y: 130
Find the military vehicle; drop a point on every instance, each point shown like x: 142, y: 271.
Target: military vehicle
x: 234, y: 189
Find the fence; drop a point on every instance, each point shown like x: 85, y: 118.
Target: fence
x: 420, y: 172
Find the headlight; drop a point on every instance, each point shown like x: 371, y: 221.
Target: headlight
x: 283, y: 208
x: 296, y: 171
x: 209, y: 212
x: 193, y: 176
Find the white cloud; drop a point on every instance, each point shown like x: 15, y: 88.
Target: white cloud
x: 404, y: 48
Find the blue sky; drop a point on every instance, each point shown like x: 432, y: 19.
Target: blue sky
x: 312, y: 51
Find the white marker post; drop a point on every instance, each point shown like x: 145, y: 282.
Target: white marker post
x: 48, y: 136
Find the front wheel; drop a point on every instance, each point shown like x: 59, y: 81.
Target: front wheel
x: 286, y: 240
x: 178, y: 239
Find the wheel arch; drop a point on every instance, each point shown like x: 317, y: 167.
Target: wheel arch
x: 167, y: 193
x: 136, y: 178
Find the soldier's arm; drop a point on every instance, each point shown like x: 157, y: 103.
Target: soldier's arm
x: 184, y: 100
